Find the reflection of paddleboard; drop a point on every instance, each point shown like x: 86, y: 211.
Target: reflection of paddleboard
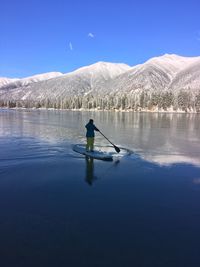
x: 96, y: 154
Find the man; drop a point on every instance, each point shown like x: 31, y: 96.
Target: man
x: 90, y: 135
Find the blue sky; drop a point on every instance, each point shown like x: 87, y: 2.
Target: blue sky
x: 43, y: 36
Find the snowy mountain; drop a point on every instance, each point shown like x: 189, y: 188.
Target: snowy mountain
x: 79, y: 82
x: 155, y: 74
x: 168, y: 82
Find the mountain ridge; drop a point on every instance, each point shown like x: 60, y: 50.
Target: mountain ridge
x: 156, y: 84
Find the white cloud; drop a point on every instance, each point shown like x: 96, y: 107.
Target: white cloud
x: 91, y: 35
x: 70, y: 46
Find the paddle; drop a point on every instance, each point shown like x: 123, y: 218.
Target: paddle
x: 115, y: 147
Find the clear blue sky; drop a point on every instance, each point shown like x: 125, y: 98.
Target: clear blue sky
x: 38, y: 36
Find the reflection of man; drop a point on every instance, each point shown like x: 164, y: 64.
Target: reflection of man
x: 90, y: 135
x: 89, y: 178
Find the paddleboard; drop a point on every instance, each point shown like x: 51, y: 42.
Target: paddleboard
x: 79, y: 148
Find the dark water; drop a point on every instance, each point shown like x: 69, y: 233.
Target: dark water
x: 60, y: 209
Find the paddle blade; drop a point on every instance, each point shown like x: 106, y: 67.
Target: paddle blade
x: 117, y: 149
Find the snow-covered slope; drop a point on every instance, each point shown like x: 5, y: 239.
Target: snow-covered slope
x: 189, y: 77
x: 4, y: 81
x: 16, y: 83
x: 171, y: 63
x: 146, y: 77
x: 106, y: 69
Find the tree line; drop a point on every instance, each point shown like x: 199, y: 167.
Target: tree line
x: 183, y: 100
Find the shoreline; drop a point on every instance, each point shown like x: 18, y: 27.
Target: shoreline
x: 105, y: 110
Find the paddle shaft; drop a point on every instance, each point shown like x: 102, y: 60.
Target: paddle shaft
x: 116, y: 148
x: 106, y: 138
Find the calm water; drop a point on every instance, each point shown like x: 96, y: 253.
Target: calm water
x: 60, y: 209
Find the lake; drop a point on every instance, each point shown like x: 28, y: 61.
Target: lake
x: 59, y: 208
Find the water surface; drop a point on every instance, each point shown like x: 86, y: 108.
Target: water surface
x: 59, y: 208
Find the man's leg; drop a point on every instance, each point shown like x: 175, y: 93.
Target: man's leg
x: 92, y: 144
x: 88, y: 144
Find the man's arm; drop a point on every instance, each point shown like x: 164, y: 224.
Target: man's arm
x: 96, y: 129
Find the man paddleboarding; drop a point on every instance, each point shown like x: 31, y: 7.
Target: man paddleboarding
x: 90, y: 135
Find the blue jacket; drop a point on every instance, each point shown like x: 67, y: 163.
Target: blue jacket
x: 90, y: 129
